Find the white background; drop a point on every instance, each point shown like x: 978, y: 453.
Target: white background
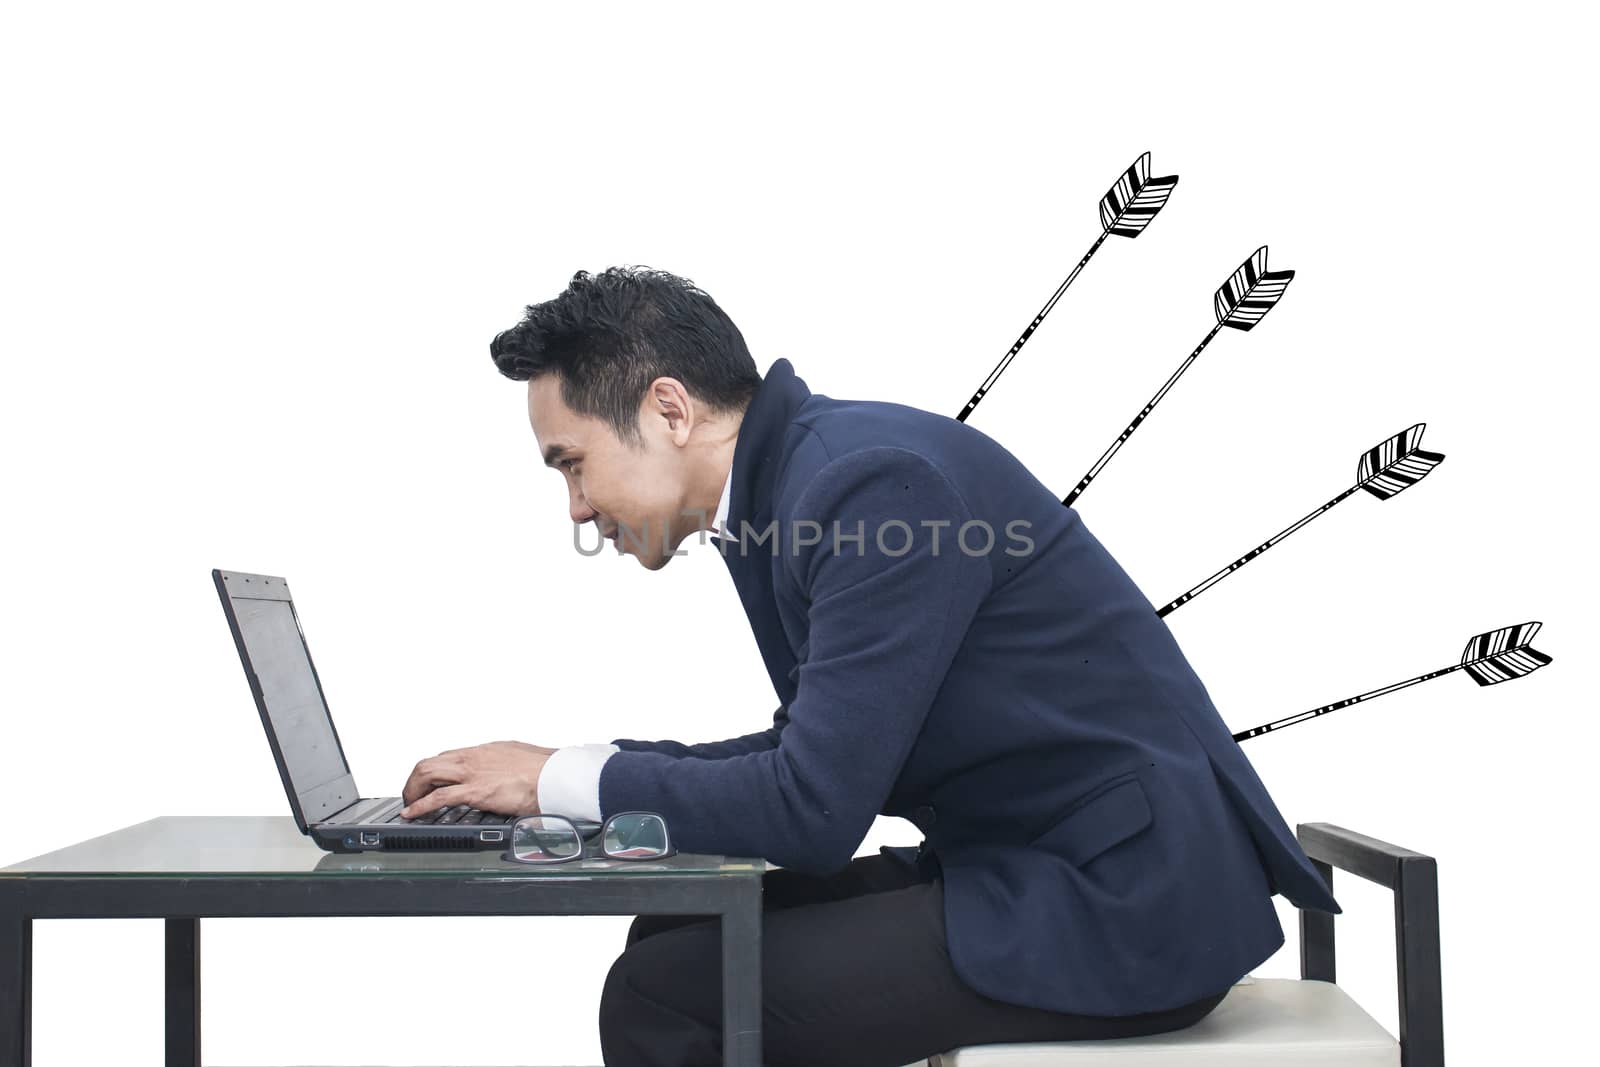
x: 253, y: 257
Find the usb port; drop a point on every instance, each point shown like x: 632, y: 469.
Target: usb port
x: 491, y: 835
x: 369, y: 837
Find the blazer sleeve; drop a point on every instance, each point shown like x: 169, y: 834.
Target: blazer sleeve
x: 886, y: 616
x: 734, y: 746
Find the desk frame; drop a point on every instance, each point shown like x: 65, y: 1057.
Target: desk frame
x: 184, y: 899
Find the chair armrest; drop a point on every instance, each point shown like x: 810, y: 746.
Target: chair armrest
x: 1414, y: 878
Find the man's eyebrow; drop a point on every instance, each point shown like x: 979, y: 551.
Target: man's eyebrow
x: 554, y: 453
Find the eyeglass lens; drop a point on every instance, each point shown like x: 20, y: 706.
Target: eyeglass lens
x: 537, y: 838
x: 635, y: 836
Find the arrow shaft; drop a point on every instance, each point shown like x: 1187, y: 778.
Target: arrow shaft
x: 1252, y: 554
x: 1314, y: 712
x: 994, y: 376
x: 1134, y: 425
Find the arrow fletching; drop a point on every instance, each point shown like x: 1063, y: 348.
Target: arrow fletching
x: 1251, y: 292
x: 1134, y: 200
x: 1397, y: 463
x: 1500, y: 655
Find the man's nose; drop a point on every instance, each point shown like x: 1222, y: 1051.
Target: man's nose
x: 579, y: 509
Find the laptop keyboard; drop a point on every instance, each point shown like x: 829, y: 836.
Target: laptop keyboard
x: 460, y: 814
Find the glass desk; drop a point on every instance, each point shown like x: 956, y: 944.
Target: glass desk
x: 183, y: 867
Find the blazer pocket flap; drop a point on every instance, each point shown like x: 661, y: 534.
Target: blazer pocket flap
x: 1105, y: 819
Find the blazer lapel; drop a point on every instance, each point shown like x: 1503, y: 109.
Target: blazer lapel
x: 757, y: 457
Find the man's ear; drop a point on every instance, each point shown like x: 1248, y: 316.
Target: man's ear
x: 668, y: 400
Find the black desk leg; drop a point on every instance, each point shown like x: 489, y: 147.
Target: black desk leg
x: 16, y: 984
x: 183, y: 991
x: 741, y: 980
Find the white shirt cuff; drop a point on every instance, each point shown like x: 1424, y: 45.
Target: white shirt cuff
x: 570, y: 782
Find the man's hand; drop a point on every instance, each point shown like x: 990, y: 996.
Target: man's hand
x: 501, y: 777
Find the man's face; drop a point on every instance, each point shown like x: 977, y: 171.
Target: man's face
x: 632, y: 495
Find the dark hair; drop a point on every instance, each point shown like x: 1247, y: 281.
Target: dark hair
x: 609, y: 335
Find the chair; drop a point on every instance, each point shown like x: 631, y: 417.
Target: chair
x: 1283, y: 1022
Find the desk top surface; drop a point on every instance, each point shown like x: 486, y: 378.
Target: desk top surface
x: 271, y: 845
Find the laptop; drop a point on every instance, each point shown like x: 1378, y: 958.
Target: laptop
x: 322, y: 792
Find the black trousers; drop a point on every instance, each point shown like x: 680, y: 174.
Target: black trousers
x: 854, y: 973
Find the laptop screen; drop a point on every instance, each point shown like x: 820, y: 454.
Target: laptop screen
x: 278, y: 658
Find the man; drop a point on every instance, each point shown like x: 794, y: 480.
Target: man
x: 948, y: 644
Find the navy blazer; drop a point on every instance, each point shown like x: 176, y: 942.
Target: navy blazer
x: 1105, y: 846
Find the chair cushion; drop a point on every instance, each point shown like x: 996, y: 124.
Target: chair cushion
x: 1281, y: 1022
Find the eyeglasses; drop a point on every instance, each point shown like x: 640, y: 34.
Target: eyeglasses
x: 627, y: 835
